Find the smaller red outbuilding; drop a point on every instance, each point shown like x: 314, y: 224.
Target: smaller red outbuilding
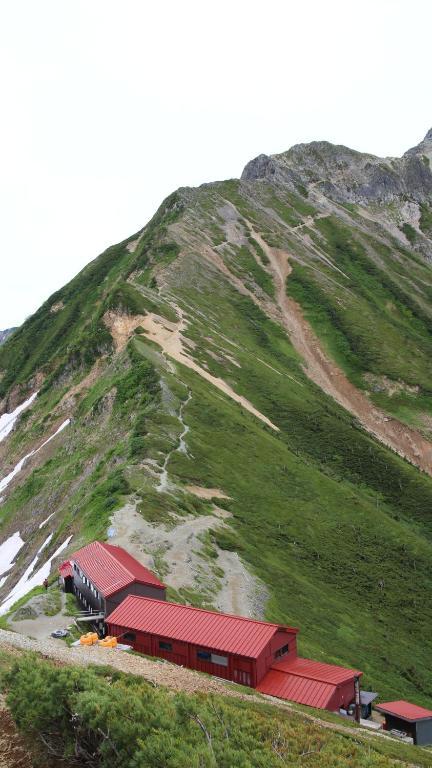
x: 232, y: 647
x: 66, y: 570
x: 66, y: 576
x: 325, y: 686
x: 408, y: 718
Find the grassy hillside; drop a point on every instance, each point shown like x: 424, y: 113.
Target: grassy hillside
x: 336, y: 525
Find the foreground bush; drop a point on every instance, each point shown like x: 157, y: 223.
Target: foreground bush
x: 97, y: 717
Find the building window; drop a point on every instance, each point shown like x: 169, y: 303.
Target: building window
x: 204, y: 655
x: 221, y: 660
x: 165, y: 646
x: 282, y: 651
x: 129, y: 636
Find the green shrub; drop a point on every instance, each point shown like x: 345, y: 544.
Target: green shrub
x: 409, y: 233
x: 101, y: 717
x: 127, y: 299
x: 426, y: 219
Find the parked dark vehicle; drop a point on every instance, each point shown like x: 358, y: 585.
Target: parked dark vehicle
x: 60, y: 633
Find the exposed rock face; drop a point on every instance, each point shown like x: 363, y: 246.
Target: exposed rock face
x: 5, y: 334
x: 424, y: 148
x: 348, y: 176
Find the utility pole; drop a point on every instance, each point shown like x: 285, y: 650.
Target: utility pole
x: 357, y: 699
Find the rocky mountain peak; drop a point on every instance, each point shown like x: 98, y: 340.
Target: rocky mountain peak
x: 424, y: 148
x: 348, y: 176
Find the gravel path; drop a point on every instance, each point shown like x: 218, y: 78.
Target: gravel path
x: 181, y: 549
x: 158, y: 672
x: 41, y: 626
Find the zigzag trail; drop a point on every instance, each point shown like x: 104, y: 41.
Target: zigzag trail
x: 407, y: 442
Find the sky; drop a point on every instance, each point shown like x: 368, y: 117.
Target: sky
x: 107, y: 107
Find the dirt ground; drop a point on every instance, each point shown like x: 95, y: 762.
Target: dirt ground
x: 122, y: 327
x: 177, y: 551
x: 169, y: 337
x: 13, y: 753
x: 41, y: 626
x: 206, y: 493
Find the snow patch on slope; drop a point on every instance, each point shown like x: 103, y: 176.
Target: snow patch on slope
x: 44, y: 522
x: 28, y: 582
x: 8, y: 552
x: 18, y: 467
x: 7, y: 421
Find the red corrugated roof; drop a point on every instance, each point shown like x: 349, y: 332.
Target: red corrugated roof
x: 300, y: 689
x: 217, y: 631
x: 404, y: 710
x: 316, y: 670
x: 305, y: 681
x: 65, y: 569
x: 111, y: 568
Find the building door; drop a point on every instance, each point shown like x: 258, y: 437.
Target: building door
x: 242, y: 677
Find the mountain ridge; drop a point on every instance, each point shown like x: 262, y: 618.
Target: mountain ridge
x: 369, y: 178
x: 242, y: 306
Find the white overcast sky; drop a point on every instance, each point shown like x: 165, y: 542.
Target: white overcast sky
x: 107, y: 107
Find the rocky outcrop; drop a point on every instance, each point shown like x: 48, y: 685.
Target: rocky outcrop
x: 5, y: 334
x: 347, y: 176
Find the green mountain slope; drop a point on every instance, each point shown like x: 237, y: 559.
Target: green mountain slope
x: 267, y: 338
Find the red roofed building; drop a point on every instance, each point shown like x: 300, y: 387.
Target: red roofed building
x: 103, y: 575
x: 255, y: 653
x: 409, y: 718
x: 232, y: 647
x: 325, y: 686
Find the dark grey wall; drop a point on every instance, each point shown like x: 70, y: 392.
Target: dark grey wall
x: 108, y: 605
x: 97, y: 604
x: 424, y: 732
x: 142, y: 590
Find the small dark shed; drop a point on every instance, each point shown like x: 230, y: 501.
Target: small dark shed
x: 66, y: 576
x: 366, y: 699
x: 409, y: 718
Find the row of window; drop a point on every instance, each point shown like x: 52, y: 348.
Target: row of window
x: 214, y: 658
x: 86, y: 581
x: 81, y: 597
